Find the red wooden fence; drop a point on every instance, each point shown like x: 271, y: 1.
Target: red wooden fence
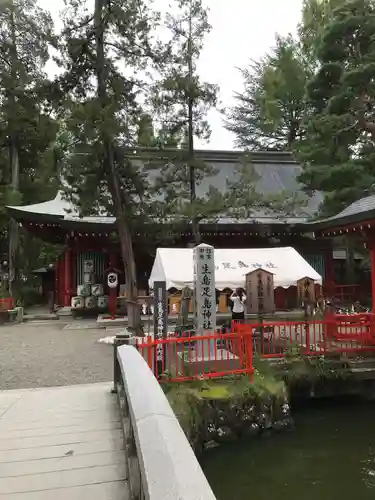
x: 187, y: 357
x: 196, y: 357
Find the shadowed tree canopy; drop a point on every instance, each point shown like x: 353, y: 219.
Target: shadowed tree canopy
x: 339, y: 150
x: 28, y: 170
x: 106, y: 47
x: 316, y: 14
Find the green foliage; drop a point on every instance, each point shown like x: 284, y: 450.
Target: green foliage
x: 180, y: 86
x: 180, y: 102
x: 299, y: 369
x: 339, y: 148
x: 28, y: 170
x: 269, y: 113
x: 316, y: 14
x: 186, y: 398
x: 26, y: 35
x: 96, y: 117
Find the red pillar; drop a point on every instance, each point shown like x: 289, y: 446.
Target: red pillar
x: 329, y: 278
x: 57, y: 278
x: 372, y: 258
x: 112, y: 299
x: 68, y: 277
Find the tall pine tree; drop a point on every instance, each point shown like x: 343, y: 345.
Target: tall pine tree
x: 180, y: 101
x: 339, y: 150
x: 105, y: 50
x: 270, y: 112
x: 26, y: 130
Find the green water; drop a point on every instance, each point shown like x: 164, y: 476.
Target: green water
x: 329, y: 455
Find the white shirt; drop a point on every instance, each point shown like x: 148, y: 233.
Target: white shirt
x: 238, y: 304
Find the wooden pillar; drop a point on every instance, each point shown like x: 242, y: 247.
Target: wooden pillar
x: 329, y: 278
x: 67, y: 276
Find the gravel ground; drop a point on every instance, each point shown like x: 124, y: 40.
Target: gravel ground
x: 45, y: 355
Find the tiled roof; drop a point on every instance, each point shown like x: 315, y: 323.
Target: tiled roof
x: 277, y: 172
x: 357, y: 212
x: 359, y: 206
x: 273, y: 179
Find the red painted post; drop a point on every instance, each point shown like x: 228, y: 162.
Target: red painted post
x: 112, y: 299
x: 57, y: 278
x: 372, y: 258
x: 248, y: 337
x: 329, y: 278
x: 112, y: 302
x: 67, y: 276
x: 150, y: 353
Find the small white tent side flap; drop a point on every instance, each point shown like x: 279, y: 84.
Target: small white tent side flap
x: 175, y: 266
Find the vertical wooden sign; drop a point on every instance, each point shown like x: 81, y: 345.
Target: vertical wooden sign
x: 160, y: 325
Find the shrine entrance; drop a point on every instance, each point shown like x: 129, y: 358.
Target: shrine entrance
x: 356, y: 221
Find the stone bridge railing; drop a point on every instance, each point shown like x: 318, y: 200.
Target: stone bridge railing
x: 161, y: 462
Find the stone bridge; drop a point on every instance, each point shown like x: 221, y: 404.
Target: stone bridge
x: 88, y: 441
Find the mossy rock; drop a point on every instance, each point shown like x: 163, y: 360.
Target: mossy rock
x: 226, y: 409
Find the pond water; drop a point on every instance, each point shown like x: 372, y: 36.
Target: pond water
x: 330, y: 454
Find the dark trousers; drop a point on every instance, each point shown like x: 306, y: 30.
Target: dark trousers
x: 238, y: 316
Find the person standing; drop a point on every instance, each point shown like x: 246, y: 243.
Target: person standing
x: 238, y: 299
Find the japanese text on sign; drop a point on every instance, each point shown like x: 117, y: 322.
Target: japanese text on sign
x: 204, y: 276
x: 244, y: 265
x: 160, y: 317
x: 205, y: 282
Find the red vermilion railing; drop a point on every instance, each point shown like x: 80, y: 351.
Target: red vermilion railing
x: 6, y: 304
x: 189, y: 357
x: 345, y: 293
x: 335, y: 335
x: 193, y: 357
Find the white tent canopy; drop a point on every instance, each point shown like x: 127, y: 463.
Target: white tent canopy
x: 175, y: 266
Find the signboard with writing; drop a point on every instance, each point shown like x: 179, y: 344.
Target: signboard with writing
x: 260, y: 291
x: 246, y: 266
x: 160, y: 324
x: 306, y: 290
x: 204, y: 281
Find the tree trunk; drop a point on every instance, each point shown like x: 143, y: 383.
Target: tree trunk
x: 13, y: 226
x: 191, y: 154
x: 127, y: 254
x: 13, y: 160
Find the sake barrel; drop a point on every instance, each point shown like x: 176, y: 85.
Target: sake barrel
x: 103, y: 302
x: 97, y: 290
x: 84, y: 290
x: 90, y: 302
x: 77, y: 303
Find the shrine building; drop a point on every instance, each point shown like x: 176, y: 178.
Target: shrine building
x: 357, y: 221
x: 90, y: 241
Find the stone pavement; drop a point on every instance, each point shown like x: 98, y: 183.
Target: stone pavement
x: 61, y: 443
x: 45, y: 355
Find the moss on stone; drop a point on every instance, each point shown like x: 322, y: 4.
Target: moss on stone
x: 210, y: 409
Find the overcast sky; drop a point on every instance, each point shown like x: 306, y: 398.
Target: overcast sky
x: 241, y: 30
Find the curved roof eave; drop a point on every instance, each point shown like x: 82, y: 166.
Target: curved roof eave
x: 58, y: 207
x: 357, y: 213
x: 58, y: 212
